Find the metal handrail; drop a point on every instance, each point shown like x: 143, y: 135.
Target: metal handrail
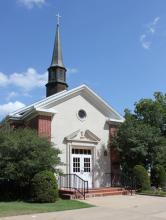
x: 73, y: 181
x: 122, y: 180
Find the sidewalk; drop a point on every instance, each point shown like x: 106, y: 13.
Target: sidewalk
x: 111, y: 207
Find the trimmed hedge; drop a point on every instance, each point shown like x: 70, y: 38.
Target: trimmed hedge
x: 159, y: 176
x: 44, y: 187
x: 141, y: 177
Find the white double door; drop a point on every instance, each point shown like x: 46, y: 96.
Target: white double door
x: 81, y: 164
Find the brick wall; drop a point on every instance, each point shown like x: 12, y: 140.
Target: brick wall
x: 33, y: 123
x: 115, y: 159
x: 42, y: 124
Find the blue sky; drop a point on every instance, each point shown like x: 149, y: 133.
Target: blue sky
x: 116, y: 47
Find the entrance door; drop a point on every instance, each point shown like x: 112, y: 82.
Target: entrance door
x: 82, y: 164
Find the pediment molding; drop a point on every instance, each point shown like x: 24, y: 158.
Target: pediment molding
x: 83, y: 136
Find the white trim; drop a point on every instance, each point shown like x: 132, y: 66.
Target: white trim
x: 88, y: 137
x: 89, y: 175
x: 19, y: 111
x: 83, y: 89
x: 109, y: 120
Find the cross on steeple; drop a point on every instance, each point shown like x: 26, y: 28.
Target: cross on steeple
x: 57, y: 71
x: 58, y: 19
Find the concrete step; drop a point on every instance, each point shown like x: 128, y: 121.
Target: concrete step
x: 109, y: 191
x: 98, y: 194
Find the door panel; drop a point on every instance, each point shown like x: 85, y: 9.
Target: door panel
x: 82, y: 164
x: 87, y: 165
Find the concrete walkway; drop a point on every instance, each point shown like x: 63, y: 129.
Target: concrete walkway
x: 112, y: 207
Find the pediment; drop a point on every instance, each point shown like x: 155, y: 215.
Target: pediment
x: 49, y: 104
x: 82, y: 136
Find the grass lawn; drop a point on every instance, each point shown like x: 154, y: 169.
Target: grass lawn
x: 153, y: 193
x: 21, y: 208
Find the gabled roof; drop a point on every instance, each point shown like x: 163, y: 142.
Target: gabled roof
x: 84, y: 90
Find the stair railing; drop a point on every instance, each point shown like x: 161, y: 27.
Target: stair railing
x: 122, y: 180
x: 73, y: 181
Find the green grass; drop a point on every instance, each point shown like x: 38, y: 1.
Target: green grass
x: 21, y: 208
x: 153, y: 193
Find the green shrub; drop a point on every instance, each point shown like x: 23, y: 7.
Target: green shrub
x: 22, y: 155
x: 44, y: 187
x: 158, y: 176
x: 141, y: 177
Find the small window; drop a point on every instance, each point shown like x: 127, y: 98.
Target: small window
x: 89, y: 152
x: 76, y: 164
x: 82, y: 114
x: 81, y: 151
x: 87, y: 163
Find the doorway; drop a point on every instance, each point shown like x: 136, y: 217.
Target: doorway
x: 81, y: 164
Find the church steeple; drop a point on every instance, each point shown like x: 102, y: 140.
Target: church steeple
x: 57, y: 58
x: 57, y: 71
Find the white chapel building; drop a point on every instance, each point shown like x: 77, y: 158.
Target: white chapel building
x: 77, y: 121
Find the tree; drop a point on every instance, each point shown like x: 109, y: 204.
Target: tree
x: 158, y: 176
x: 161, y: 156
x: 137, y: 143
x: 141, y: 177
x: 23, y: 154
x: 153, y: 112
x: 141, y: 139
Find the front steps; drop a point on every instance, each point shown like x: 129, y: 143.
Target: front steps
x: 109, y: 191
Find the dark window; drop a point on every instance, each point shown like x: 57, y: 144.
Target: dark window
x: 82, y: 114
x: 60, y: 75
x: 89, y: 152
x: 81, y: 151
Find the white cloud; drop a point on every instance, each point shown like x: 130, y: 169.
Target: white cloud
x: 11, y: 95
x: 153, y: 25
x: 10, y: 107
x: 143, y: 36
x: 146, y: 38
x: 72, y: 70
x: 3, y: 79
x: 155, y: 21
x: 145, y: 43
x: 31, y: 3
x: 27, y: 80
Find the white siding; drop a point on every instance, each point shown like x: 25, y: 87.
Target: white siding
x: 66, y: 122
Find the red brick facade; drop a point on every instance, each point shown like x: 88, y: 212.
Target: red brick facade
x: 115, y: 159
x: 42, y: 124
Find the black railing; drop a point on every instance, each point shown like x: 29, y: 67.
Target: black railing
x: 123, y: 180
x: 73, y: 182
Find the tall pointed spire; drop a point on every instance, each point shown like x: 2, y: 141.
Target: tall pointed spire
x: 57, y: 59
x: 57, y: 71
